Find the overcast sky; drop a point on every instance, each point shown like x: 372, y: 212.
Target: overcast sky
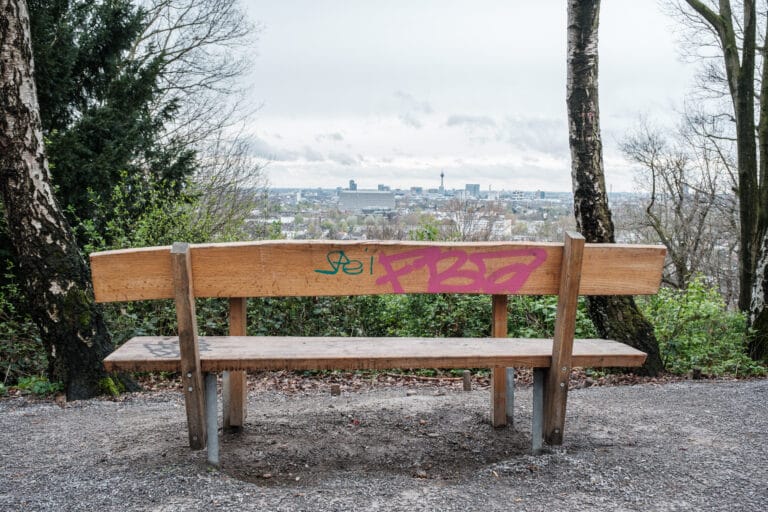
x: 396, y: 92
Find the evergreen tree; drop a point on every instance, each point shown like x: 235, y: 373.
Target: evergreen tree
x: 99, y: 107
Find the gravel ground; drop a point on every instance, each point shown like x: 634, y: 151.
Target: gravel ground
x: 678, y: 446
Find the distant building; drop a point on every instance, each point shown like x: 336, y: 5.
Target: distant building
x: 472, y: 189
x: 366, y: 200
x: 384, y: 188
x: 517, y: 195
x: 417, y: 191
x: 352, y: 185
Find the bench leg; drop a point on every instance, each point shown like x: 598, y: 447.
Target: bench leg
x: 537, y: 425
x: 211, y: 419
x: 234, y: 401
x: 511, y: 397
x: 498, y: 397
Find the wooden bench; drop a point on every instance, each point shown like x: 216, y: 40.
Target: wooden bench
x: 330, y: 268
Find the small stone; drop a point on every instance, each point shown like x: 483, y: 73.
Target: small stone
x: 410, y: 392
x: 420, y: 473
x: 335, y: 390
x: 266, y: 476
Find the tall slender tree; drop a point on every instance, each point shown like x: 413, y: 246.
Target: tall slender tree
x: 614, y: 317
x: 50, y: 265
x: 745, y: 78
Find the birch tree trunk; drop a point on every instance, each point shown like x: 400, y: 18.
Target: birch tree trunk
x: 614, y: 317
x: 758, y: 313
x: 54, y: 274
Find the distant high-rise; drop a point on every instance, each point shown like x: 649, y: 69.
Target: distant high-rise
x: 352, y: 185
x: 442, y: 183
x: 472, y: 189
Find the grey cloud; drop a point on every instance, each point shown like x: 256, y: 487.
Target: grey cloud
x: 413, y: 104
x: 311, y: 155
x: 342, y: 158
x: 409, y: 119
x: 470, y: 121
x: 260, y: 148
x: 335, y: 137
x: 547, y: 135
x: 412, y: 109
x: 263, y: 149
x: 478, y: 129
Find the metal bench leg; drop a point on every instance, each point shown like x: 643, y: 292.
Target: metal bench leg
x: 511, y: 397
x: 211, y: 419
x: 537, y: 425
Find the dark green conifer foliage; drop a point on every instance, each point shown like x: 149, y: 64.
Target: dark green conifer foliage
x: 100, y: 106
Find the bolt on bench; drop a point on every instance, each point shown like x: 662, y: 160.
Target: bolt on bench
x: 330, y: 268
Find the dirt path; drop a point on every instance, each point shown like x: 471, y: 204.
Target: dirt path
x: 679, y: 446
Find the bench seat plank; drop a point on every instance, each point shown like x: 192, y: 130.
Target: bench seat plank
x: 230, y: 353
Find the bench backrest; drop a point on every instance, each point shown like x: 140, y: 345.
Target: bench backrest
x: 327, y: 268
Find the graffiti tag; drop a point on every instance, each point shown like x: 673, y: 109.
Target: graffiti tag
x: 455, y: 271
x: 338, y: 261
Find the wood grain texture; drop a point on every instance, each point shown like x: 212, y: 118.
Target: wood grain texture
x: 229, y: 353
x: 189, y: 354
x: 327, y: 268
x: 235, y: 386
x: 556, y: 394
x: 499, y: 375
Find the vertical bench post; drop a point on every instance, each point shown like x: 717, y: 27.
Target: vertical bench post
x: 537, y: 422
x: 556, y: 392
x: 235, y: 384
x: 499, y: 375
x: 212, y: 417
x: 191, y: 375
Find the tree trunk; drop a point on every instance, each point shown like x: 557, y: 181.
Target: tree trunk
x: 753, y: 172
x: 614, y: 317
x: 53, y: 272
x: 758, y: 314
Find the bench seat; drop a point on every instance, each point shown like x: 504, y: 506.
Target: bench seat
x: 232, y: 353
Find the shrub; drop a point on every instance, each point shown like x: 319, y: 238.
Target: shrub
x: 696, y: 331
x: 534, y: 317
x: 38, y: 385
x: 21, y: 351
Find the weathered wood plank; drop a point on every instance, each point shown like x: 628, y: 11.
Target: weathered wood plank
x: 227, y: 353
x: 235, y: 385
x: 313, y: 268
x: 499, y: 375
x: 556, y: 394
x: 187, y: 346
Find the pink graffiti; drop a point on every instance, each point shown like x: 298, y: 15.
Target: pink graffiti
x: 465, y: 273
